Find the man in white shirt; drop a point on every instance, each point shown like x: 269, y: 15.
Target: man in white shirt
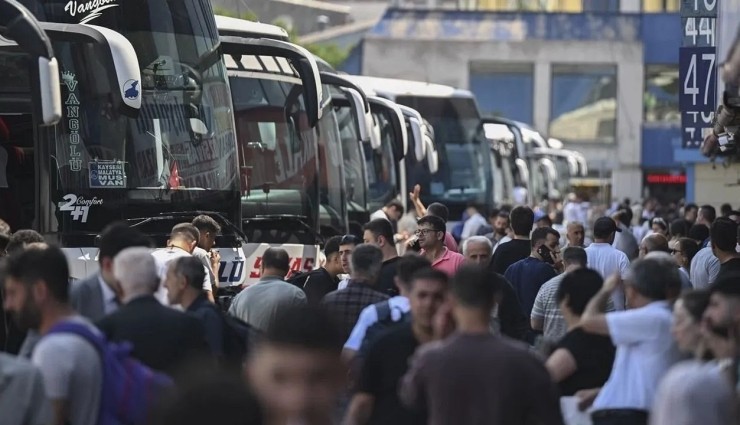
x: 606, y: 259
x: 399, y: 305
x: 474, y: 222
x: 182, y: 242
x: 642, y: 335
x: 392, y: 211
x: 37, y: 294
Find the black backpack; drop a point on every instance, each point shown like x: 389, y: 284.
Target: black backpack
x: 384, y: 323
x: 239, y: 338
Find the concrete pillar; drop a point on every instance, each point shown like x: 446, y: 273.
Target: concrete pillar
x: 542, y: 82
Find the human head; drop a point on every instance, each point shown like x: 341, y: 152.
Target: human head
x: 604, y: 230
x: 184, y: 279
x: 275, y: 262
x: 4, y: 236
x: 406, y: 266
x: 576, y: 290
x: 687, y: 313
x: 347, y: 245
x: 576, y: 234
x: 36, y: 280
x: 522, y: 220
x: 472, y: 290
x: 651, y: 279
x: 501, y: 223
x: 136, y: 272
x: 394, y: 209
x: 113, y: 239
x: 680, y: 228
x: 184, y: 236
x: 722, y: 315
x: 296, y: 370
x: 699, y: 232
x: 208, y: 229
x: 428, y: 291
x: 658, y: 225
x: 367, y: 260
x: 543, y: 220
x: 438, y: 210
x: 684, y: 251
x: 707, y: 215
x: 379, y: 232
x: 546, y: 236
x: 690, y: 213
x: 574, y: 257
x: 333, y: 263
x: 477, y: 250
x: 724, y: 236
x: 20, y: 239
x: 652, y: 243
x: 431, y: 232
x: 725, y: 210
x: 624, y: 216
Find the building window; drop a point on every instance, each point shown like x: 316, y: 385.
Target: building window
x: 661, y: 94
x: 583, y: 105
x: 658, y: 6
x: 505, y: 90
x: 559, y: 6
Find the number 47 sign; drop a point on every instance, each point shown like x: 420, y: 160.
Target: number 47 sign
x: 697, y: 68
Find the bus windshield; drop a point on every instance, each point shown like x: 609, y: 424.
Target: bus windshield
x: 277, y: 149
x: 464, y: 163
x: 181, y: 148
x: 333, y: 214
x: 381, y: 166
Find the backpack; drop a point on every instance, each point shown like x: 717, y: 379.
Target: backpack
x: 377, y: 329
x: 130, y: 389
x: 239, y: 337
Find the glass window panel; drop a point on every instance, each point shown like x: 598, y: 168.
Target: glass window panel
x: 505, y: 90
x: 657, y: 6
x: 661, y: 94
x: 583, y: 104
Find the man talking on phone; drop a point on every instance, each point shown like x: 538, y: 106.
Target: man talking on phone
x: 529, y: 274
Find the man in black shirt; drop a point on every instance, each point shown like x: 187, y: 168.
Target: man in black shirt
x: 376, y: 401
x: 379, y: 232
x: 522, y: 220
x: 321, y: 281
x: 723, y: 238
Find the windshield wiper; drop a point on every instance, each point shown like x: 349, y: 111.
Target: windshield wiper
x: 278, y: 221
x: 224, y: 222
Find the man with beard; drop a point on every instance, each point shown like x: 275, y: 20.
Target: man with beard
x: 500, y: 227
x: 37, y: 294
x: 722, y: 316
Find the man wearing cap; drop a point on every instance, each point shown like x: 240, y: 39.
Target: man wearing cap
x: 606, y: 259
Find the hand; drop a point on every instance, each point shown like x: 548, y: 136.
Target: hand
x: 586, y: 397
x: 215, y: 260
x: 443, y: 323
x: 414, y: 196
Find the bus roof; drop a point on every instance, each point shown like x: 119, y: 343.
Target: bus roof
x: 391, y: 87
x: 241, y: 27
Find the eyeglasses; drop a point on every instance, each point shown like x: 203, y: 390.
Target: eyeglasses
x: 420, y: 232
x: 673, y: 251
x: 350, y: 240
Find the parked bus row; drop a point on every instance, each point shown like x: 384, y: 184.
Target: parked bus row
x: 165, y: 111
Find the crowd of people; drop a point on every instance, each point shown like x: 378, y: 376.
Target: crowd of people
x: 525, y: 317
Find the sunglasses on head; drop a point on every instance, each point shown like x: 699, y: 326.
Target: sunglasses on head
x: 350, y: 239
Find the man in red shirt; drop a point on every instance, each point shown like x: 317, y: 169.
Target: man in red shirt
x: 431, y: 234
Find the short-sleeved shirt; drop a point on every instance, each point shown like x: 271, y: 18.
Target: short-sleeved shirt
x: 704, y: 268
x: 509, y: 253
x: 386, y: 281
x: 527, y: 277
x: 594, y: 357
x: 645, y: 352
x: 546, y: 308
x: 369, y: 316
x: 347, y: 304
x: 163, y: 258
x: 608, y: 260
x: 205, y: 259
x: 72, y: 371
x: 729, y: 267
x: 448, y: 262
x: 23, y: 398
x: 386, y: 362
x: 260, y: 304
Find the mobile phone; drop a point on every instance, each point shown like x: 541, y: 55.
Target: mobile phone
x: 546, y: 254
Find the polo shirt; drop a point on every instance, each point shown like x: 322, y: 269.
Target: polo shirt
x: 645, y: 352
x: 527, y: 277
x: 608, y: 260
x: 448, y: 262
x: 260, y: 304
